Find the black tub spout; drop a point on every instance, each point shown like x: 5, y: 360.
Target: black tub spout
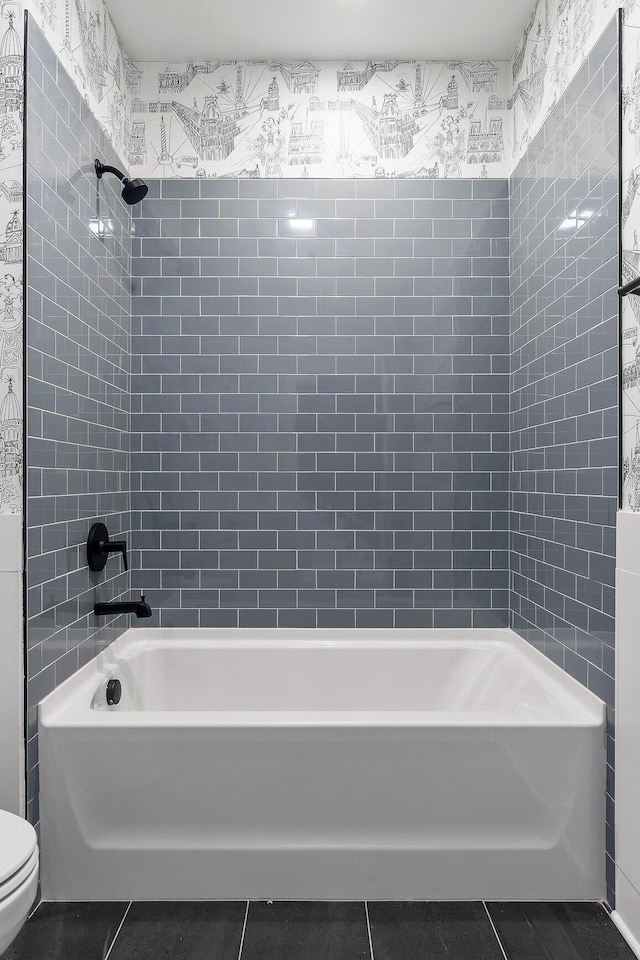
x: 139, y: 607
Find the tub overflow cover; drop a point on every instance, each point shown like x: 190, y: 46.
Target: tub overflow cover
x: 114, y: 692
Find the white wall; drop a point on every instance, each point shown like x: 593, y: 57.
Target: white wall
x: 11, y: 666
x: 627, y: 913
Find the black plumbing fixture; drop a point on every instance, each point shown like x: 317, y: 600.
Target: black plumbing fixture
x: 114, y: 692
x: 631, y: 287
x: 133, y: 191
x: 140, y: 607
x: 99, y: 546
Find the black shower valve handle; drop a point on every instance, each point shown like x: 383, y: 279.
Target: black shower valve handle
x: 99, y: 546
x: 115, y: 546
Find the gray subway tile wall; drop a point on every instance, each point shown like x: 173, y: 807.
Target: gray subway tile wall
x: 564, y: 397
x: 78, y: 369
x: 320, y: 419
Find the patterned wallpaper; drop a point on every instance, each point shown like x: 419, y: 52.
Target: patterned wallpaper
x: 388, y: 118
x: 556, y: 41
x: 11, y: 253
x: 83, y: 36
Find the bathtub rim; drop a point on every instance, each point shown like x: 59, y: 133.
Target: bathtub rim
x: 62, y: 707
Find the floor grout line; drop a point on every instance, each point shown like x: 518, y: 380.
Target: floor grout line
x: 244, y: 927
x: 108, y: 953
x: 366, y: 911
x: 493, y: 927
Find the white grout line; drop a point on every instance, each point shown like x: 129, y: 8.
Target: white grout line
x: 366, y: 910
x: 108, y: 953
x: 493, y: 927
x: 244, y: 927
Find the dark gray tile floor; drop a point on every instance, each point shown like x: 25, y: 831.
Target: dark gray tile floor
x: 68, y: 930
x: 319, y: 931
x: 180, y: 931
x: 437, y: 931
x: 557, y: 931
x: 306, y: 931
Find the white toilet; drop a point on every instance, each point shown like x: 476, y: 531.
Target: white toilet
x: 18, y: 875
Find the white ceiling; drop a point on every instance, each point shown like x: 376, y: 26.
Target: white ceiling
x: 320, y: 29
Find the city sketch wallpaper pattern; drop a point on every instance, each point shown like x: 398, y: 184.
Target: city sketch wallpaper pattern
x: 557, y: 39
x: 11, y: 252
x: 321, y: 119
x: 364, y: 118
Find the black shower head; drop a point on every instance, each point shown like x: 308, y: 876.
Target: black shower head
x: 132, y: 190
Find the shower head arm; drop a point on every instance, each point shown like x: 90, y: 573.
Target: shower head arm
x: 104, y: 168
x: 133, y: 191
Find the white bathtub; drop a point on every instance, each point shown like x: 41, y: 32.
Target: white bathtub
x: 293, y: 764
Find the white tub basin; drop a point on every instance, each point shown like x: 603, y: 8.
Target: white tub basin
x: 293, y: 764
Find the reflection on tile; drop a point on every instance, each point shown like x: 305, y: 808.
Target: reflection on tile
x: 181, y: 931
x: 558, y: 931
x: 68, y: 931
x: 433, y: 931
x: 306, y: 931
